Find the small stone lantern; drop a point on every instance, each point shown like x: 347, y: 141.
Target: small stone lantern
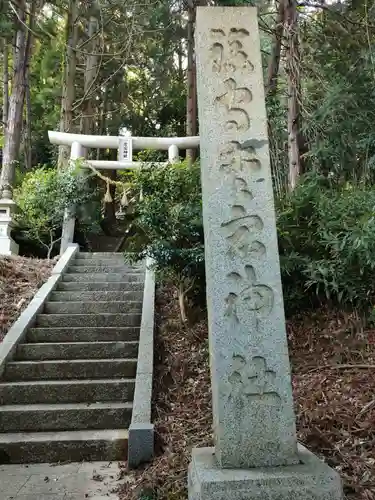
x: 7, y: 245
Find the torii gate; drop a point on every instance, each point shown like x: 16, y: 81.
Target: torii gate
x: 125, y: 146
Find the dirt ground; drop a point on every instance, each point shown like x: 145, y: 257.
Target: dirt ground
x: 333, y: 367
x: 20, y: 278
x: 334, y: 389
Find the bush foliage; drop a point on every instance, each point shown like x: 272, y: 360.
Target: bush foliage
x: 168, y: 223
x: 42, y: 198
x: 326, y: 242
x: 326, y: 233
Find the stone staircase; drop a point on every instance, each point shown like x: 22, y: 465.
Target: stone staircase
x: 67, y: 393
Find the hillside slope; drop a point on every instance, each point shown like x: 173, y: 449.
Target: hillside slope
x: 20, y: 278
x: 333, y: 369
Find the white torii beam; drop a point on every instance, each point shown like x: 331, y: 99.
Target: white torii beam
x: 121, y: 165
x: 112, y: 142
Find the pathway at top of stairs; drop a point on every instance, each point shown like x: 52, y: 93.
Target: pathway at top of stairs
x: 67, y: 394
x: 74, y: 481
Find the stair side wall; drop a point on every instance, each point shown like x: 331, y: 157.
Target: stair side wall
x: 141, y: 430
x: 26, y: 320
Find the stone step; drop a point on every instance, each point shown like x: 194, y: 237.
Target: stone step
x: 74, y: 320
x: 69, y: 446
x: 101, y: 255
x: 66, y: 391
x: 95, y: 296
x: 101, y: 286
x: 93, y: 307
x: 83, y: 334
x: 76, y: 350
x: 98, y: 255
x: 102, y: 268
x: 72, y: 369
x: 65, y: 417
x: 106, y: 277
x: 116, y: 261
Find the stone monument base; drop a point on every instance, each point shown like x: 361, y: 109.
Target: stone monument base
x: 312, y: 479
x: 8, y: 246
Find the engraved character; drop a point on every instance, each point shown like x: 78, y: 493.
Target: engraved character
x: 234, y: 100
x: 239, y: 158
x: 240, y: 230
x: 255, y: 297
x: 253, y: 380
x: 227, y: 50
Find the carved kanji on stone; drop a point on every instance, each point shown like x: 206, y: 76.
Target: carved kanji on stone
x: 240, y: 230
x: 238, y: 158
x: 251, y: 295
x: 252, y: 379
x: 227, y: 50
x: 235, y: 100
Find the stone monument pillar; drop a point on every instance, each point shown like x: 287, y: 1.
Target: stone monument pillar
x: 256, y: 455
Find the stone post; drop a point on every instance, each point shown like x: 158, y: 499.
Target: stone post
x: 173, y: 154
x: 256, y: 454
x: 7, y: 245
x: 77, y: 151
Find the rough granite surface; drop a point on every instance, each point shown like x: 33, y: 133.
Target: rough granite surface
x: 254, y: 422
x: 311, y: 479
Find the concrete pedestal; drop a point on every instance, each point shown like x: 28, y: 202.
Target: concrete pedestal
x: 312, y: 479
x: 8, y: 246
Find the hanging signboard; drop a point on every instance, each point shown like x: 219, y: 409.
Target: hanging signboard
x: 125, y: 150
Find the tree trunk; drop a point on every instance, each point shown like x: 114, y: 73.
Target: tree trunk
x: 293, y: 77
x: 68, y: 83
x: 103, y: 119
x: 191, y: 104
x: 5, y: 83
x: 180, y: 55
x: 91, y: 68
x: 22, y: 53
x: 274, y: 60
x: 27, y: 135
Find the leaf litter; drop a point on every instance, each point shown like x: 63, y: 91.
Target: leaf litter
x: 333, y: 375
x: 334, y: 400
x: 20, y: 278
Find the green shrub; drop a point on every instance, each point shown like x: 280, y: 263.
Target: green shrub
x: 327, y: 242
x: 326, y: 237
x: 168, y: 223
x: 42, y: 197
